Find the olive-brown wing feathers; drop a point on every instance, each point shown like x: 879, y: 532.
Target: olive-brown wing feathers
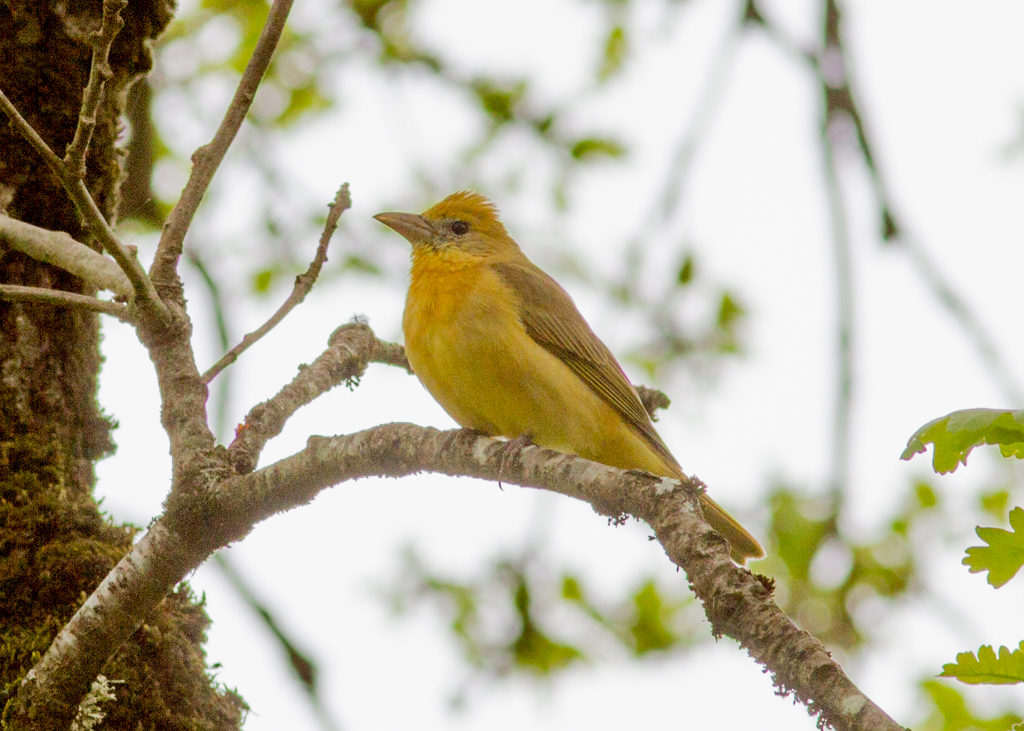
x: 552, y: 320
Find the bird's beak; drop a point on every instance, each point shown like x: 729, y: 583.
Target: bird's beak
x: 415, y: 228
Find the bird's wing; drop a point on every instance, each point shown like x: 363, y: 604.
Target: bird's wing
x: 552, y: 320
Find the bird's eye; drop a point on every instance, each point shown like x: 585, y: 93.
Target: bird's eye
x: 459, y: 227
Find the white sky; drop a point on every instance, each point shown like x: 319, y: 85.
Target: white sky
x: 941, y: 84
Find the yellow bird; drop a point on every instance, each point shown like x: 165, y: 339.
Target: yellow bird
x: 501, y: 346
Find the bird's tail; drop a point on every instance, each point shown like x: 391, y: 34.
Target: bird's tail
x: 742, y: 545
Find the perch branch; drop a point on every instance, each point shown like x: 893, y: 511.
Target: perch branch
x: 59, y: 298
x: 207, y: 158
x: 738, y: 603
x: 303, y: 284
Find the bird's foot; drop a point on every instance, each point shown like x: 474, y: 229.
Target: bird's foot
x: 512, y: 448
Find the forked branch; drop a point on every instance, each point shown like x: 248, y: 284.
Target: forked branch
x: 303, y: 283
x: 351, y: 348
x: 90, y: 212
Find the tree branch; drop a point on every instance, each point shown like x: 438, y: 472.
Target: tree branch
x: 941, y: 288
x: 218, y: 508
x: 303, y: 284
x: 738, y: 603
x: 94, y: 220
x: 652, y: 399
x: 60, y: 250
x: 837, y: 106
x: 352, y: 348
x: 207, y: 158
x: 74, y: 157
x: 217, y: 404
x: 59, y: 298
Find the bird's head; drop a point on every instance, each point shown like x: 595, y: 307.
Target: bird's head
x: 466, y: 222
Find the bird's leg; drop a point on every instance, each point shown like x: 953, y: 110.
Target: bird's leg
x: 511, y: 449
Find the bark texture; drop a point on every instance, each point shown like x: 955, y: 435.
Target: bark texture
x: 55, y: 546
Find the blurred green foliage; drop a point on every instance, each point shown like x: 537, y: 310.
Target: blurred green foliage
x: 615, y: 49
x: 949, y: 712
x: 677, y: 340
x: 594, y: 147
x: 823, y: 576
x: 293, y: 70
x: 502, y: 618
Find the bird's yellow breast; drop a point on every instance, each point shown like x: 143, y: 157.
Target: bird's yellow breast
x: 466, y: 342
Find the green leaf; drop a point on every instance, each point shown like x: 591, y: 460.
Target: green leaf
x: 497, y: 101
x: 594, y: 147
x: 262, y: 280
x: 1004, y: 554
x: 956, y: 434
x: 685, y: 275
x: 354, y: 262
x: 303, y: 99
x: 995, y: 503
x: 728, y: 311
x: 650, y: 628
x: 615, y: 49
x: 533, y: 650
x: 926, y: 497
x: 571, y: 589
x: 543, y: 125
x: 986, y: 668
x: 952, y: 714
x: 798, y: 527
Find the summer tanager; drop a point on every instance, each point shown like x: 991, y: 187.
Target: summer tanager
x: 501, y: 346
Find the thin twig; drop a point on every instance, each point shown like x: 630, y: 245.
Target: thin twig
x: 59, y: 298
x: 837, y: 104
x: 973, y: 327
x: 207, y: 158
x: 219, y: 315
x: 306, y: 672
x: 90, y: 212
x: 844, y: 325
x: 74, y: 157
x: 303, y: 283
x: 892, y: 231
x: 60, y: 250
x: 716, y: 82
x: 129, y: 263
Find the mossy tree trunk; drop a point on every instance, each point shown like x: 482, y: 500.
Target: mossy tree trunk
x: 55, y: 545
